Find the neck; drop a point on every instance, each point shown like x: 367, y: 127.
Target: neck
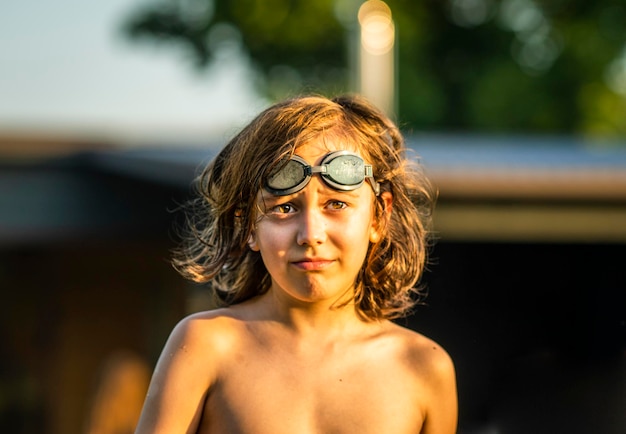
x: 313, y: 319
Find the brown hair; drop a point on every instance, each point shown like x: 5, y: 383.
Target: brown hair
x: 222, y: 215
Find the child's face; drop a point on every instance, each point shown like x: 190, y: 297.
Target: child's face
x: 314, y: 242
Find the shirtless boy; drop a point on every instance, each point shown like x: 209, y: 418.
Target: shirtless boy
x: 312, y: 228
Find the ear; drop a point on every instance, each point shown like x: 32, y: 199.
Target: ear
x: 252, y: 243
x: 378, y: 224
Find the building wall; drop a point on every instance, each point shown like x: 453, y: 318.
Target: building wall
x: 66, y: 311
x: 537, y: 332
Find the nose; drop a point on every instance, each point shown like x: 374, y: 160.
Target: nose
x: 312, y: 230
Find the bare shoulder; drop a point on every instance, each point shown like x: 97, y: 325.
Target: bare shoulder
x: 197, y: 346
x: 424, y: 353
x: 189, y: 365
x: 209, y: 331
x: 433, y: 370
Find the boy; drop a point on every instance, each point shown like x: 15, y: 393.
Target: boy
x: 312, y: 227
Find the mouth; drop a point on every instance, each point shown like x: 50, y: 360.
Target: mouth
x: 312, y: 264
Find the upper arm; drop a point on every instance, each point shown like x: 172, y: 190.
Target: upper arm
x: 180, y: 382
x: 442, y: 406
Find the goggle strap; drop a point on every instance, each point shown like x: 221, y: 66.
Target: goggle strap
x: 323, y: 169
x: 317, y: 169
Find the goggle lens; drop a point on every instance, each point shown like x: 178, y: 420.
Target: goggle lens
x: 346, y: 170
x: 290, y: 175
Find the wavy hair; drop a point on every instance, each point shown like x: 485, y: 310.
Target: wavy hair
x: 221, y: 215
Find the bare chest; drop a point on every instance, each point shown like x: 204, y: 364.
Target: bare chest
x: 341, y: 393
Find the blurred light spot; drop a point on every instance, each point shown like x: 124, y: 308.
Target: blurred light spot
x: 535, y: 48
x: 536, y: 55
x: 345, y: 11
x: 284, y: 80
x: 470, y: 13
x: 196, y: 12
x: 119, y: 397
x: 224, y: 37
x: 616, y: 74
x: 541, y: 30
x: 520, y: 15
x: 376, y: 55
x: 377, y: 28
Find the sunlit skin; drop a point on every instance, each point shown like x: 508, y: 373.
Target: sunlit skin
x: 314, y: 242
x: 299, y: 359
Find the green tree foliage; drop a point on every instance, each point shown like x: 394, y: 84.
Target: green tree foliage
x: 513, y: 66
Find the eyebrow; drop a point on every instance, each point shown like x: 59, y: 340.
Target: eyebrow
x: 351, y: 194
x: 266, y: 196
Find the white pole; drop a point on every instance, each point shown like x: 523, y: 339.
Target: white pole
x: 376, y: 55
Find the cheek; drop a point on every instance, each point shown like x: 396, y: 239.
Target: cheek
x: 357, y: 235
x: 271, y: 240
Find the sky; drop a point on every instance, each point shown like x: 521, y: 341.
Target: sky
x: 64, y: 66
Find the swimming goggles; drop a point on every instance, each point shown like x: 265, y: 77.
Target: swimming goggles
x: 341, y: 170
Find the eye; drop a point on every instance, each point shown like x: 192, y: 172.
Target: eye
x: 337, y: 205
x: 283, y: 208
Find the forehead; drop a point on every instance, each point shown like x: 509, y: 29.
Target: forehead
x: 315, y: 151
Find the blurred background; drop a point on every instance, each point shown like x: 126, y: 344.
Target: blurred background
x: 517, y: 109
